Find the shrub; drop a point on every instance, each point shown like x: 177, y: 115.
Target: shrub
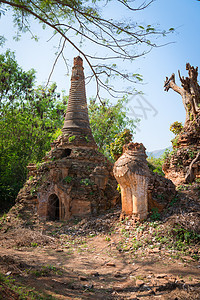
x: 116, y: 148
x: 155, y: 165
x: 176, y: 127
x: 71, y: 138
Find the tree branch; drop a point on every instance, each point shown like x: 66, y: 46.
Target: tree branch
x: 61, y: 51
x: 80, y: 17
x: 170, y: 83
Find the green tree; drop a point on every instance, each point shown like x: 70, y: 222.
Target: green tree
x: 116, y: 147
x: 118, y: 39
x: 29, y: 119
x: 155, y: 164
x: 107, y: 121
x: 14, y: 82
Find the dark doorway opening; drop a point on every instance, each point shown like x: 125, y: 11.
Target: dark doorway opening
x: 53, y: 208
x: 66, y: 152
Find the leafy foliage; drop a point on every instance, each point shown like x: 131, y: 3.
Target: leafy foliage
x: 185, y: 235
x: 79, y: 21
x: 176, y: 127
x: 29, y: 118
x: 107, y: 121
x: 8, y: 286
x: 116, y: 148
x: 155, y: 165
x: 167, y: 154
x: 68, y: 179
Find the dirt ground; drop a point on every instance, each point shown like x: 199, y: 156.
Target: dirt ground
x: 98, y: 258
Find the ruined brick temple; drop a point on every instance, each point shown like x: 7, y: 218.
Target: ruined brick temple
x: 183, y: 164
x: 74, y: 179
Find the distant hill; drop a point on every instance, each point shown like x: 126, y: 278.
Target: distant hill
x: 158, y: 153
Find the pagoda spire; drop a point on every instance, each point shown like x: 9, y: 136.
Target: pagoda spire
x: 76, y: 122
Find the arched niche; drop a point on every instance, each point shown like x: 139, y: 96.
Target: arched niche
x: 53, y: 208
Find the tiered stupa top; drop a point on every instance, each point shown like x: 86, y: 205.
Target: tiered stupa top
x: 76, y: 119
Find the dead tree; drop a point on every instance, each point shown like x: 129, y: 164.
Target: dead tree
x: 190, y: 91
x: 190, y: 176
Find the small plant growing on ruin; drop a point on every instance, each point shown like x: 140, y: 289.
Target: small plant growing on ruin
x: 33, y: 191
x: 159, y: 171
x: 87, y: 139
x: 76, y: 220
x: 71, y: 138
x: 175, y: 142
x: 176, y: 127
x: 182, y: 187
x: 38, y: 165
x: 167, y: 154
x: 68, y: 179
x: 118, y: 188
x: 34, y: 245
x: 191, y: 153
x: 86, y: 181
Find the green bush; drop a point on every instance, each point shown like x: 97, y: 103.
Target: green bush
x: 155, y: 165
x: 68, y: 179
x: 184, y: 235
x: 107, y: 121
x: 29, y: 117
x: 71, y: 138
x: 116, y: 148
x: 176, y: 127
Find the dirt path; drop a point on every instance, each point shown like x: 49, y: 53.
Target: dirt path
x: 96, y: 268
x: 103, y: 257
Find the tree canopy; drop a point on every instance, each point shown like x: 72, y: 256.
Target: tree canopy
x: 29, y: 117
x: 78, y: 21
x: 107, y: 121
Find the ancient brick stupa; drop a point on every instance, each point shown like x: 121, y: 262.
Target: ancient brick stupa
x: 74, y: 179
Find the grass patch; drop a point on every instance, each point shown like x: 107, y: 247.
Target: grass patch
x: 8, y: 285
x: 45, y: 271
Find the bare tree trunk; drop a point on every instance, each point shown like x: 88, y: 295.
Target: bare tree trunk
x: 189, y: 177
x: 190, y: 91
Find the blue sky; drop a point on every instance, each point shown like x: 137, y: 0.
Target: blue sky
x: 160, y: 109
